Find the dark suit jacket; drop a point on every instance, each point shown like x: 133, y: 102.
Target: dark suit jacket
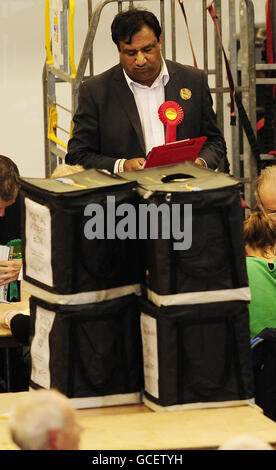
x: 107, y: 124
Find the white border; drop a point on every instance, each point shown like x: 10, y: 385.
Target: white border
x: 204, y: 297
x: 200, y: 405
x: 81, y: 297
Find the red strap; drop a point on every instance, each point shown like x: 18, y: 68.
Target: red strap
x: 260, y: 124
x: 213, y: 15
x: 243, y: 204
x: 186, y: 21
x: 269, y: 38
x: 269, y: 33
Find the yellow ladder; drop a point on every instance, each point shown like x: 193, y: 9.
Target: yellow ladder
x: 60, y: 67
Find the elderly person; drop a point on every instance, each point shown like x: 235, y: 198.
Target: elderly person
x: 265, y: 191
x: 45, y: 420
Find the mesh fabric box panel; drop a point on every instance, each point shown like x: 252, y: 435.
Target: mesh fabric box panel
x: 59, y: 254
x: 88, y: 351
x: 215, y: 258
x: 196, y: 355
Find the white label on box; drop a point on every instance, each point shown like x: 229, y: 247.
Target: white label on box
x: 38, y: 250
x: 150, y: 354
x: 40, y: 350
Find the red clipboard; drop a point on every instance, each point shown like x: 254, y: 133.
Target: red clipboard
x: 175, y: 152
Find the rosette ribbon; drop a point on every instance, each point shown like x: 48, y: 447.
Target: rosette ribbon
x: 171, y: 114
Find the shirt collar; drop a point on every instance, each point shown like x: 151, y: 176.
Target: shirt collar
x: 162, y: 77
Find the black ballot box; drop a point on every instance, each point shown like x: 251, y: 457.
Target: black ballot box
x: 196, y: 356
x: 192, y: 235
x: 92, y: 353
x: 70, y: 238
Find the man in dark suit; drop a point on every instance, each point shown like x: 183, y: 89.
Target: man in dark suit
x: 116, y: 123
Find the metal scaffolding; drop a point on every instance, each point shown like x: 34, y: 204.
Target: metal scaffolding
x: 66, y: 71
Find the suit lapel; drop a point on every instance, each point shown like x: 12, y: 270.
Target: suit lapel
x: 173, y: 87
x: 126, y: 98
x: 172, y: 93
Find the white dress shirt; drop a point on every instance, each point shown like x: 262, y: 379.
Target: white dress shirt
x: 148, y: 100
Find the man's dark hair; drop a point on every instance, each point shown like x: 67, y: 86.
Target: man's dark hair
x: 130, y: 22
x: 9, y: 178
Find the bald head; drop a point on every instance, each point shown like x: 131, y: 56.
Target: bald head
x: 245, y: 442
x: 44, y: 420
x: 266, y: 191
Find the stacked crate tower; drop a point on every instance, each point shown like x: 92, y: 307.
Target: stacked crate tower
x: 194, y: 310
x: 85, y: 318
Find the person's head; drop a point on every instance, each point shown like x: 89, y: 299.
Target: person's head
x: 265, y: 191
x: 259, y: 235
x: 245, y: 442
x: 44, y: 420
x: 9, y: 183
x: 137, y: 34
x: 63, y: 170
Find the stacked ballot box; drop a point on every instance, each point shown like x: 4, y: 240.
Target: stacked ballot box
x: 84, y: 276
x: 196, y: 355
x: 70, y: 245
x: 92, y: 352
x: 194, y: 311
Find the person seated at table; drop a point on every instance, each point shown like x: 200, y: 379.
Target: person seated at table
x: 10, y: 228
x: 9, y: 218
x: 44, y: 420
x: 260, y: 247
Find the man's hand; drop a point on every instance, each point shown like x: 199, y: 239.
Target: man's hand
x: 134, y: 164
x: 201, y: 162
x: 9, y: 270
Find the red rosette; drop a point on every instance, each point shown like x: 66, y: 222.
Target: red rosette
x: 171, y: 114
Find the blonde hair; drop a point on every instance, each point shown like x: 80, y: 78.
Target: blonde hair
x: 260, y: 232
x: 64, y: 170
x: 35, y: 414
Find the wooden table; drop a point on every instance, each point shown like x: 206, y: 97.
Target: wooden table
x: 5, y: 333
x: 7, y: 341
x: 189, y: 429
x: 135, y: 427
